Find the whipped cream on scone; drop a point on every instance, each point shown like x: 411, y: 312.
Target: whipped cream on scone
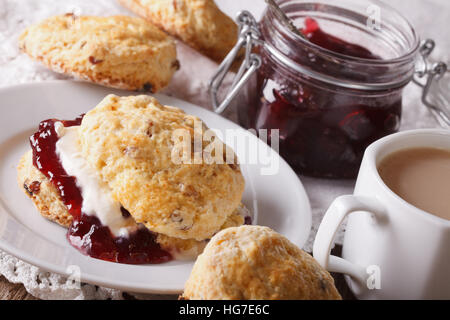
x: 97, y: 197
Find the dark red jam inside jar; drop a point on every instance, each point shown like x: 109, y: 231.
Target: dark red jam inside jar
x: 86, y: 233
x: 333, y: 92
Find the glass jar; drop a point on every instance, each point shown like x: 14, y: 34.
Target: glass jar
x: 328, y: 105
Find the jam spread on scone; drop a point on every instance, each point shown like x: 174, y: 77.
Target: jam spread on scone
x: 86, y: 233
x: 43, y: 144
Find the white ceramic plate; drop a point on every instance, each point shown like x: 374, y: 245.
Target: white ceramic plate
x: 279, y: 201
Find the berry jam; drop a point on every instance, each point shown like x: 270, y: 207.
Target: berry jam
x: 139, y: 248
x: 315, y: 35
x: 43, y: 143
x: 323, y: 129
x: 86, y: 233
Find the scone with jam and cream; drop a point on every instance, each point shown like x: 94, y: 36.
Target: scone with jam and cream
x: 256, y: 263
x: 109, y: 177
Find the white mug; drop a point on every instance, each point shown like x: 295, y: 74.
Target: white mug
x: 391, y: 249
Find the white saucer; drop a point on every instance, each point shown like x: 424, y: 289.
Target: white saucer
x: 278, y: 201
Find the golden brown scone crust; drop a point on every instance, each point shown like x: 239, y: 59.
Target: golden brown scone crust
x: 199, y: 23
x: 254, y: 262
x: 129, y: 142
x: 118, y: 51
x: 45, y: 196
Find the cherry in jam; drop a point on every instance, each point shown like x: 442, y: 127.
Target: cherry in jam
x: 324, y: 130
x: 86, y: 233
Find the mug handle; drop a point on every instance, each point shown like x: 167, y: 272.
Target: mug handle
x: 339, y: 209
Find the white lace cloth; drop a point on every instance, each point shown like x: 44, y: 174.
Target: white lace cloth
x: 189, y: 84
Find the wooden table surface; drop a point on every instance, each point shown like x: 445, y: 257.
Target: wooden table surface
x: 10, y: 291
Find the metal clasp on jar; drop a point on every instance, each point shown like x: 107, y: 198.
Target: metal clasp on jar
x: 432, y: 72
x: 249, y: 35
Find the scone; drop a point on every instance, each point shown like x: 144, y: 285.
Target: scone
x: 118, y: 51
x: 130, y: 143
x: 199, y: 23
x: 254, y: 262
x: 74, y: 186
x: 47, y: 200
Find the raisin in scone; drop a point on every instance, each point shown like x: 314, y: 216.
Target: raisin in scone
x: 254, y: 262
x: 199, y: 23
x: 118, y: 51
x: 130, y: 142
x: 184, y: 249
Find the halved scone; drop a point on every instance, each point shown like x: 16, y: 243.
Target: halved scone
x: 112, y: 181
